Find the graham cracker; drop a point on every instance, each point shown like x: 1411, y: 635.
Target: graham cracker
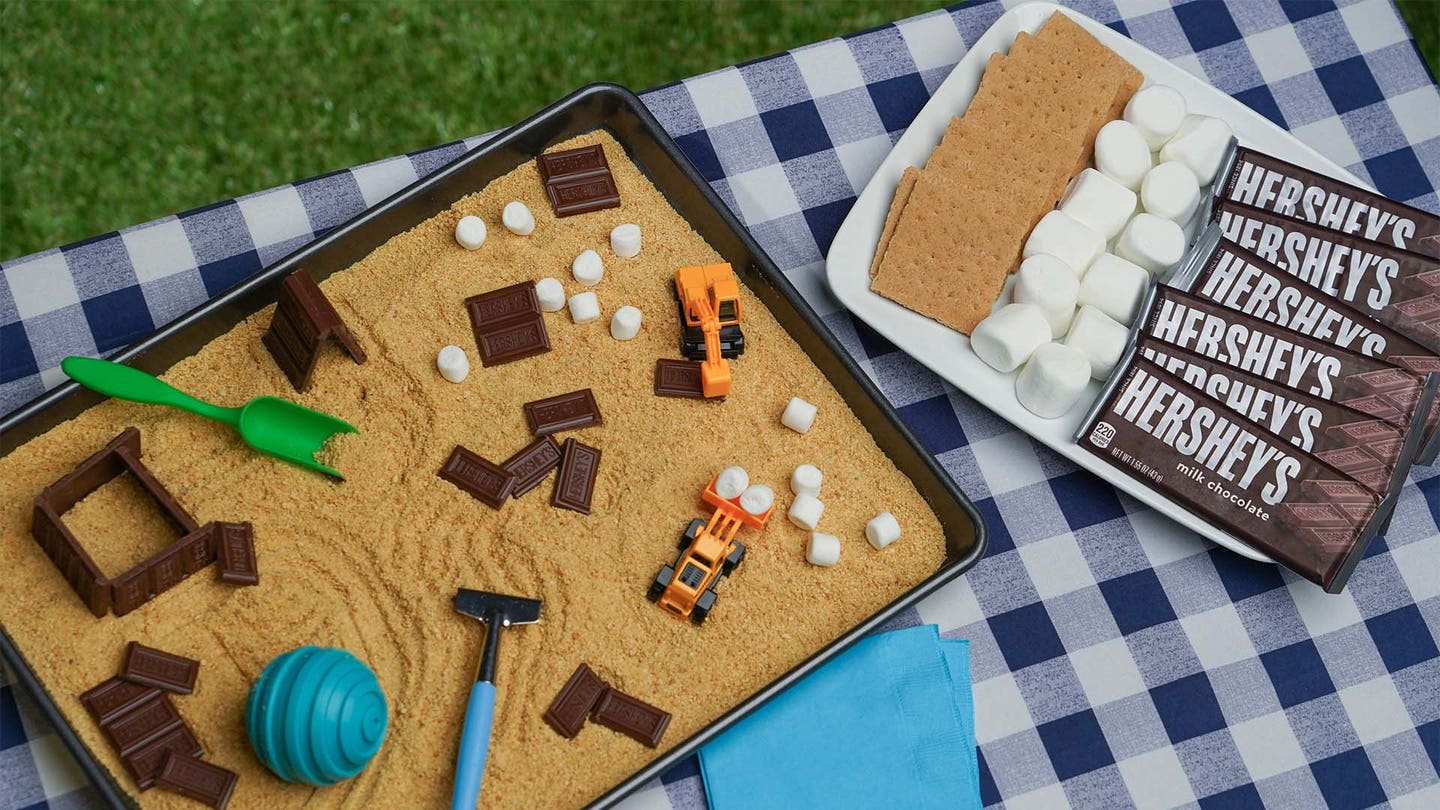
x: 897, y: 204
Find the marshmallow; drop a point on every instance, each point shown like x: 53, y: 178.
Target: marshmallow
x: 453, y: 364
x: 1153, y: 243
x: 1048, y: 283
x: 1115, y: 287
x: 584, y: 307
x: 517, y: 219
x: 806, y: 480
x: 470, y: 232
x: 805, y: 511
x: 1100, y: 338
x: 551, y: 294
x: 1099, y: 203
x: 1157, y: 111
x: 757, y: 499
x: 1061, y: 236
x: 1170, y: 191
x: 1052, y: 382
x: 882, y: 530
x: 799, y: 415
x: 1122, y: 154
x: 1200, y: 144
x: 1006, y: 338
x: 625, y: 240
x: 731, y: 482
x: 824, y: 549
x: 625, y: 323
x: 588, y: 268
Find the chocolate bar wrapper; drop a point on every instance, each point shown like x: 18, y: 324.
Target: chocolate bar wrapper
x: 1255, y: 178
x: 1235, y: 475
x: 1397, y: 287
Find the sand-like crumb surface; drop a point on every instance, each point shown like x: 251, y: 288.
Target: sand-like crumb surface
x: 371, y: 564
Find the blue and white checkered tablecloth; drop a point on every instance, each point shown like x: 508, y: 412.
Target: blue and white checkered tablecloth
x: 1117, y: 659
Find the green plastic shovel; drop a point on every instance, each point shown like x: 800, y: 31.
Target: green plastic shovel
x: 273, y: 426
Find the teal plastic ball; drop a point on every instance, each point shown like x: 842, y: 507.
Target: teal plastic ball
x: 316, y: 716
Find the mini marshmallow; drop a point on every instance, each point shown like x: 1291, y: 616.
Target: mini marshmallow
x: 805, y: 511
x: 799, y: 415
x: 625, y: 240
x: 882, y: 530
x: 1100, y: 338
x: 731, y: 482
x: 551, y: 294
x: 584, y: 307
x: 1099, y: 203
x: 1060, y: 235
x: 1200, y: 144
x: 1170, y: 191
x: 1154, y: 243
x: 1157, y: 111
x: 806, y: 480
x: 625, y: 323
x: 824, y: 549
x: 517, y: 219
x: 470, y: 232
x: 757, y: 499
x: 1006, y: 338
x: 1122, y: 154
x: 587, y: 268
x: 1114, y: 286
x: 453, y: 364
x: 1053, y: 380
x: 1048, y: 283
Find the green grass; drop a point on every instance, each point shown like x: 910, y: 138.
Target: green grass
x: 115, y: 113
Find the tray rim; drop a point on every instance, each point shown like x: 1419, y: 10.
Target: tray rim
x: 79, y: 399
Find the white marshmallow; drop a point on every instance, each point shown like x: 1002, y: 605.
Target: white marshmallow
x: 824, y: 549
x: 1154, y: 243
x: 625, y: 240
x: 1060, y: 235
x: 1157, y: 111
x: 1100, y: 338
x: 882, y: 530
x: 1122, y: 154
x: 731, y: 482
x: 1200, y: 144
x: 1052, y: 382
x: 584, y: 307
x: 453, y: 364
x: 1099, y: 203
x: 625, y: 323
x: 470, y: 232
x: 757, y: 499
x: 806, y: 480
x: 1048, y: 283
x: 587, y: 268
x: 1115, y: 287
x: 1170, y: 191
x: 517, y: 219
x: 799, y: 415
x: 805, y: 511
x: 551, y: 294
x: 1006, y: 338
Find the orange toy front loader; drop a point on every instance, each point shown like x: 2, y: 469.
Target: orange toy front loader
x: 708, y: 551
x: 709, y: 298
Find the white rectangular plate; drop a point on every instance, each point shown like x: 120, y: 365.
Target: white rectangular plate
x: 947, y: 352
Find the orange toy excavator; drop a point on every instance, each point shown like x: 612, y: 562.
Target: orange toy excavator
x: 709, y: 297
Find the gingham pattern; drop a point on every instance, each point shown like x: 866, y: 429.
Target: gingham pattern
x: 1109, y: 670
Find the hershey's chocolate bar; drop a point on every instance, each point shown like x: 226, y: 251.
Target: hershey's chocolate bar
x: 1229, y: 471
x: 1255, y: 178
x: 160, y: 669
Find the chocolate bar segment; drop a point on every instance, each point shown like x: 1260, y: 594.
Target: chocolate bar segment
x: 574, y: 702
x: 579, y: 467
x: 508, y: 324
x: 304, y: 319
x: 576, y: 409
x: 160, y: 669
x: 578, y: 181
x: 197, y: 779
x: 678, y: 378
x: 506, y: 304
x: 531, y: 464
x: 632, y: 717
x: 115, y: 697
x: 487, y: 481
x: 1266, y: 182
x: 143, y: 724
x: 144, y: 764
x: 235, y: 547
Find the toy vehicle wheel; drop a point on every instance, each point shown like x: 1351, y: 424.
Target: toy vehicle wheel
x: 662, y: 581
x: 734, y: 559
x: 702, y: 607
x: 691, y: 532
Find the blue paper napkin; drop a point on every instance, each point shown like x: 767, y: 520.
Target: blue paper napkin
x: 888, y: 723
